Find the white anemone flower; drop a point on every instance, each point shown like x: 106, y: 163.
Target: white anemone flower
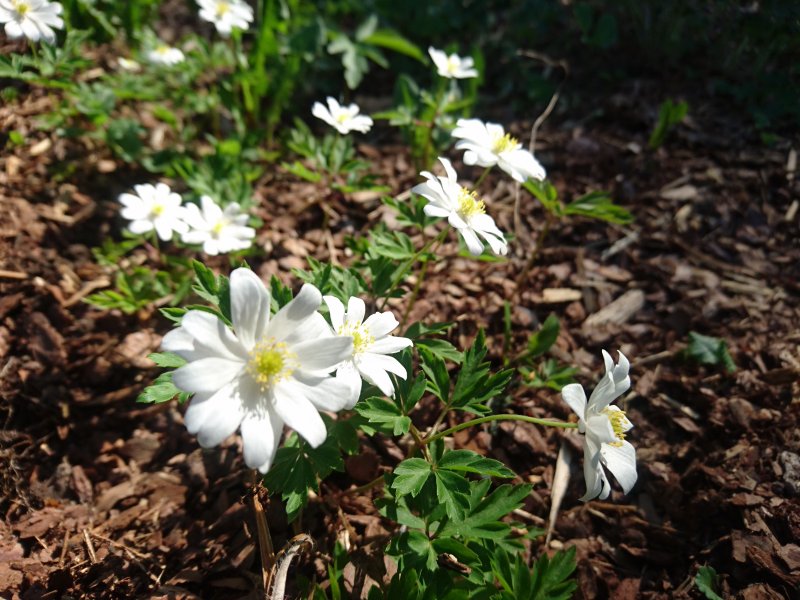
x: 342, y: 118
x: 154, y: 207
x: 463, y: 210
x: 452, y: 66
x: 127, y: 64
x: 226, y: 14
x: 267, y: 371
x: 33, y: 19
x: 371, y: 346
x: 164, y: 54
x: 604, y: 427
x: 219, y: 231
x: 487, y: 145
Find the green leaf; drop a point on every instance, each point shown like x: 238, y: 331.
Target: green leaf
x: 468, y: 461
x: 475, y: 385
x: 452, y: 490
x: 411, y: 475
x: 441, y: 348
x: 541, y: 341
x: 387, y: 38
x: 300, y: 170
x: 436, y: 372
x: 669, y: 114
x: 599, y: 205
x: 551, y: 576
x: 707, y: 582
x: 709, y: 350
x: 162, y: 390
x: 483, y: 517
x: 546, y: 193
x: 385, y: 415
x: 167, y: 360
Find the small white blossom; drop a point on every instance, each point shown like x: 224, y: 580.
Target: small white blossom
x: 154, y: 207
x: 33, y: 19
x: 127, y: 64
x: 219, y: 231
x: 452, y: 66
x: 226, y: 14
x: 342, y: 118
x: 604, y: 429
x: 164, y: 54
x: 267, y: 371
x: 463, y: 210
x: 371, y: 346
x: 487, y: 145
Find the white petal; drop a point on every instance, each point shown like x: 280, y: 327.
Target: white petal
x: 140, y: 226
x: 324, y: 392
x: 250, y: 305
x: 217, y: 417
x: 355, y: 310
x: 604, y: 394
x: 599, y: 429
x: 436, y: 211
x: 369, y: 361
x: 448, y: 168
x: 380, y: 379
x: 323, y: 354
x: 295, y: 312
x: 206, y: 374
x: 592, y: 473
x: 336, y: 310
x: 299, y: 414
x: 621, y: 461
x: 574, y: 395
x: 260, y: 437
x: 390, y: 345
x: 212, y: 333
x: 474, y: 244
x: 381, y: 324
x: 349, y: 375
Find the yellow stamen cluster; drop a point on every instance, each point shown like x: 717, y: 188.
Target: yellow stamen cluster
x: 22, y: 8
x: 342, y: 117
x: 222, y: 8
x: 362, y: 338
x: 452, y: 64
x: 162, y: 49
x: 157, y: 210
x: 618, y: 419
x: 218, y: 227
x: 504, y: 144
x: 469, y: 205
x: 270, y: 362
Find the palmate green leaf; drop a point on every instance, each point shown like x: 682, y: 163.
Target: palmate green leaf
x: 546, y: 193
x: 384, y: 415
x: 467, y: 461
x: 441, y: 348
x: 411, y: 475
x: 483, y: 518
x: 475, y: 385
x: 162, y: 390
x: 452, y: 490
x: 550, y: 577
x: 391, y: 244
x: 436, y: 371
x: 407, y: 391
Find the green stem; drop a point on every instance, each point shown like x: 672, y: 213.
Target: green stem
x: 481, y: 178
x: 410, y: 262
x: 426, y: 153
x: 539, y: 243
x: 490, y: 418
x: 420, y: 278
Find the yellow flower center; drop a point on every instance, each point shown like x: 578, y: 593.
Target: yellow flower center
x: 162, y: 49
x: 222, y: 8
x: 157, y: 210
x: 22, y: 8
x: 452, y: 64
x: 469, y: 205
x: 362, y: 338
x: 270, y: 362
x: 218, y: 227
x: 342, y: 117
x: 617, y: 418
x: 504, y: 144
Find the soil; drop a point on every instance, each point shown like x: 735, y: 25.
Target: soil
x: 105, y: 498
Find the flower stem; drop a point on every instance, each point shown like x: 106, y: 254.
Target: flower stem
x: 420, y: 278
x: 480, y: 179
x: 410, y: 262
x: 262, y: 529
x: 482, y: 420
x: 536, y: 249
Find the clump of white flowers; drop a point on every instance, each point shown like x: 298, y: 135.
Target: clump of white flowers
x: 342, y: 118
x: 32, y: 19
x: 219, y: 230
x: 164, y: 54
x: 371, y: 346
x: 226, y: 15
x: 452, y: 66
x: 266, y: 371
x: 462, y: 208
x: 604, y: 428
x: 154, y: 207
x: 487, y: 145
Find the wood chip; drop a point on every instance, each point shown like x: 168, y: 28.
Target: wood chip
x: 559, y: 295
x: 618, y: 312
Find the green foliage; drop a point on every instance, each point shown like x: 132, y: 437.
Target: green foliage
x: 550, y: 374
x: 550, y: 578
x: 707, y: 581
x: 595, y: 205
x: 670, y: 114
x: 542, y: 340
x: 708, y: 350
x: 475, y: 384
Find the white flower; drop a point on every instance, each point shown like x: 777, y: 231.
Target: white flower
x: 342, y: 118
x: 226, y: 14
x: 487, y: 145
x: 267, y: 371
x: 127, y: 64
x: 220, y: 231
x: 462, y: 208
x: 154, y: 207
x: 165, y: 55
x: 604, y: 427
x: 452, y: 66
x: 34, y: 19
x: 371, y: 345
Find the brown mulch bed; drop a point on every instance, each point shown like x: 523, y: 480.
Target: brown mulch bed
x: 104, y: 498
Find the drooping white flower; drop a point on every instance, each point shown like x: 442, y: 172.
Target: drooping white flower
x: 267, y: 371
x: 487, y: 145
x: 127, y: 64
x: 34, y: 19
x: 226, y: 14
x: 219, y: 231
x: 452, y: 66
x: 342, y: 118
x: 463, y: 210
x: 154, y: 207
x: 163, y: 54
x: 371, y: 346
x: 604, y: 427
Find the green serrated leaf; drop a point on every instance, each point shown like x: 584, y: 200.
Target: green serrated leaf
x: 452, y: 490
x: 385, y: 415
x: 436, y: 372
x: 475, y: 385
x: 467, y: 461
x: 707, y: 582
x: 550, y: 577
x: 411, y: 475
x: 709, y: 350
x: 162, y: 390
x: 167, y: 360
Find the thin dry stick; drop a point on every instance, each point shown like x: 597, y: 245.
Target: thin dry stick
x: 539, y: 120
x: 262, y: 529
x: 284, y: 559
